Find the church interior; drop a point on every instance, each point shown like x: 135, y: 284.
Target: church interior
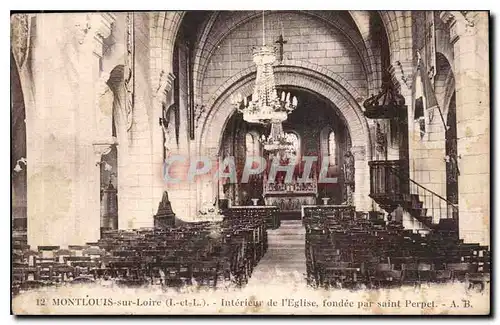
x: 393, y: 106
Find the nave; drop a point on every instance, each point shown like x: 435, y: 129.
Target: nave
x: 330, y: 248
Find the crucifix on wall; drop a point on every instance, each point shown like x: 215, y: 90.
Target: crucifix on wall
x: 280, y: 43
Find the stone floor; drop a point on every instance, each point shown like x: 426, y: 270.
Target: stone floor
x: 285, y: 254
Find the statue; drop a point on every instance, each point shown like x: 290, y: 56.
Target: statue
x: 348, y: 168
x: 452, y: 163
x: 167, y: 122
x: 349, y: 177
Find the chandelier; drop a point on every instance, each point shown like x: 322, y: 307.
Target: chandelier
x: 265, y: 106
x: 277, y: 140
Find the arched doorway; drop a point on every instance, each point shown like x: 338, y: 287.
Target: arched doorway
x: 446, y: 93
x: 306, y: 80
x: 316, y: 130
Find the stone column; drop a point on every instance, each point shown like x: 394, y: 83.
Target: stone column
x: 402, y: 74
x: 469, y: 35
x: 183, y: 194
x: 92, y: 118
x: 362, y: 201
x: 20, y: 44
x: 161, y: 103
x: 207, y: 184
x: 63, y: 179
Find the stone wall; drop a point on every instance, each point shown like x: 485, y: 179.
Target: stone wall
x: 135, y: 207
x: 469, y: 36
x: 308, y: 40
x: 63, y: 178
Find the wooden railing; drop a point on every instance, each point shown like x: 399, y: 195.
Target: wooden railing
x: 434, y: 204
x: 391, y: 186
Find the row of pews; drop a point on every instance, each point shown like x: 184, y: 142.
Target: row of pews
x: 268, y: 213
x: 200, y: 253
x: 345, y: 250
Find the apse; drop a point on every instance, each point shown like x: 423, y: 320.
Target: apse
x: 314, y: 129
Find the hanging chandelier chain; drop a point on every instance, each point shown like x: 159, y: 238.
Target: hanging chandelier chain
x: 265, y: 106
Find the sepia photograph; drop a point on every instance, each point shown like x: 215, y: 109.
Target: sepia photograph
x: 263, y: 162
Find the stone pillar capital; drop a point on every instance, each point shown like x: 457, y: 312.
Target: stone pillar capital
x: 102, y: 148
x: 103, y: 25
x: 165, y: 84
x: 402, y: 74
x: 359, y: 152
x: 458, y: 24
x: 95, y: 28
x: 20, y: 37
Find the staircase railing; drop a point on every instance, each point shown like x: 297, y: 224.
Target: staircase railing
x: 423, y: 198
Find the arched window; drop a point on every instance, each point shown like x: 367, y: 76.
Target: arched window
x: 250, y: 145
x: 294, y: 139
x: 332, y: 148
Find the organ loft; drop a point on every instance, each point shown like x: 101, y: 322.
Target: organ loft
x: 357, y: 142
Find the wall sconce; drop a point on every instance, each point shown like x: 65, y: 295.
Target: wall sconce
x: 18, y: 167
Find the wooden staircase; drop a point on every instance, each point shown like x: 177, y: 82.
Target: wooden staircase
x: 391, y: 187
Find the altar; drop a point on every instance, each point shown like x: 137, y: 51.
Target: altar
x: 290, y: 197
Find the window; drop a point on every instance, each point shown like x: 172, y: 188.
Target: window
x: 250, y: 145
x: 332, y: 148
x: 294, y: 139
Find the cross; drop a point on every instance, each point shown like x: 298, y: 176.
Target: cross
x: 281, y: 41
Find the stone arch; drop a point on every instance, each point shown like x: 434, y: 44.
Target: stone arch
x: 398, y: 28
x: 444, y: 82
x: 333, y: 88
x: 359, y: 41
x: 287, y: 63
x: 115, y: 83
x: 374, y: 75
x: 164, y: 27
x: 211, y: 133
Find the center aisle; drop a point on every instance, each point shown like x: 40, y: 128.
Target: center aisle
x: 285, y: 253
